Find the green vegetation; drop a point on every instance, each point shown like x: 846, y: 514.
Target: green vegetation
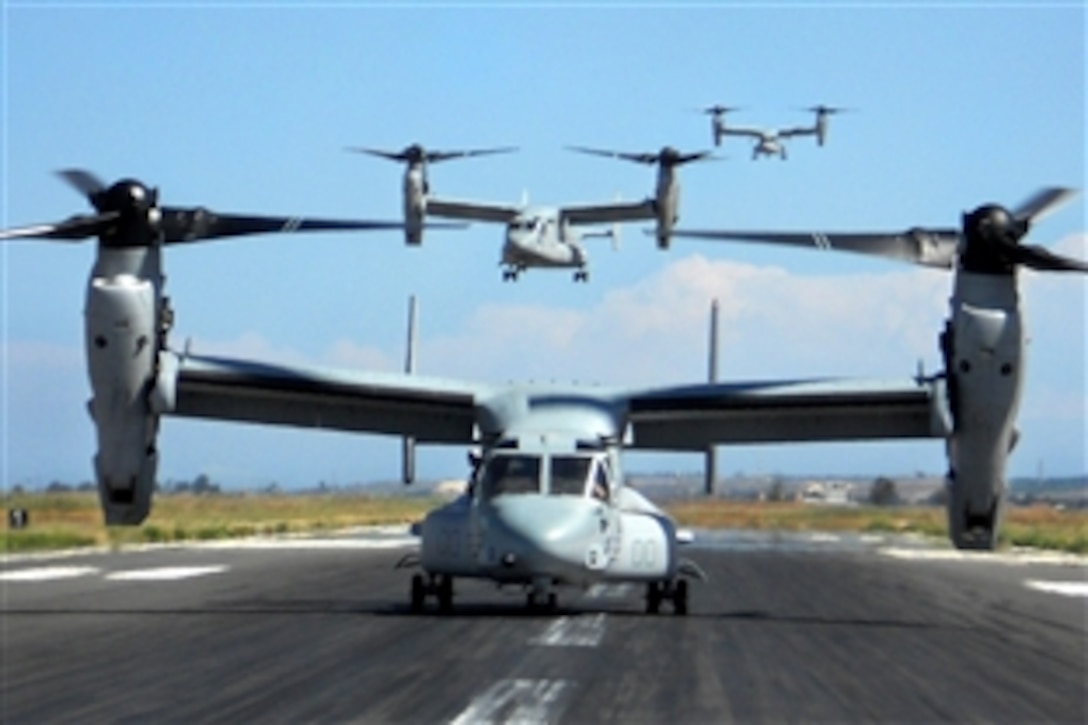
x: 64, y: 520
x: 59, y: 520
x: 1041, y: 527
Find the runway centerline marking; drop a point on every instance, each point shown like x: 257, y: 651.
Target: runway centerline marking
x: 166, y: 573
x: 572, y: 632
x: 46, y: 573
x: 1068, y: 589
x: 609, y: 591
x: 517, y: 701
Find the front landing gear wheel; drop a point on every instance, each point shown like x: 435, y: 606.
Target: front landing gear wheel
x: 445, y: 593
x: 440, y: 586
x: 653, y: 598
x: 675, y: 592
x: 419, y: 593
x: 680, y: 598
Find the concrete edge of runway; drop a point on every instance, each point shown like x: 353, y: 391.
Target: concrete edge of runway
x: 399, y: 535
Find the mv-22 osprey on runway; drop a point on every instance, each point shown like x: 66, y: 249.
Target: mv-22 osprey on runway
x: 547, y: 503
x: 537, y: 236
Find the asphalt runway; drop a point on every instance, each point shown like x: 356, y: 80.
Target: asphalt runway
x: 788, y: 628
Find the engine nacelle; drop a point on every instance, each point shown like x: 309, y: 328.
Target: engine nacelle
x: 415, y: 206
x: 122, y: 341
x: 983, y: 349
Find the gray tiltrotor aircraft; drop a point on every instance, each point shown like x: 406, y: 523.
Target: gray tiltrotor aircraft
x: 769, y: 142
x: 982, y: 344
x: 546, y: 503
x: 536, y: 236
x: 416, y: 183
x: 667, y: 199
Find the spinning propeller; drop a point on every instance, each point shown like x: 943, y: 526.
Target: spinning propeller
x: 990, y: 240
x: 822, y: 110
x: 127, y: 214
x: 416, y: 154
x: 667, y: 156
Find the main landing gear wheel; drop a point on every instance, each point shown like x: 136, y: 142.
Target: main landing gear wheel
x: 581, y: 276
x: 676, y: 592
x: 440, y: 586
x: 509, y: 275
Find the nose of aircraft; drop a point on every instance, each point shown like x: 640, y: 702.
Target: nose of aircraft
x: 542, y: 531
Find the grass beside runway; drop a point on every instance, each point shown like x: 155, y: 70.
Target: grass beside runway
x: 1041, y: 527
x: 67, y: 520
x: 63, y: 520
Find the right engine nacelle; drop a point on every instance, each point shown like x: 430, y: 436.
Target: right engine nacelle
x: 415, y: 206
x: 122, y: 340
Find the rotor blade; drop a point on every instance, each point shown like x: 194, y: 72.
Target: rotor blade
x: 435, y: 156
x: 1042, y: 203
x: 391, y: 155
x: 637, y: 158
x: 72, y: 229
x: 188, y: 225
x: 84, y: 181
x: 696, y: 156
x: 1042, y: 259
x: 927, y: 247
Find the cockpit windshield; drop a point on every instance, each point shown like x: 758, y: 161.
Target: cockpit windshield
x: 522, y: 225
x: 506, y: 475
x: 569, y: 475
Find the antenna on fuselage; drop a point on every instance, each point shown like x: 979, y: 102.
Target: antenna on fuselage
x: 408, y: 450
x: 711, y: 465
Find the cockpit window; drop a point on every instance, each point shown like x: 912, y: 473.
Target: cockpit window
x: 569, y: 475
x: 512, y: 475
x: 523, y: 225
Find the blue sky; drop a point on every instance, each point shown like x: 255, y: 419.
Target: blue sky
x: 247, y: 107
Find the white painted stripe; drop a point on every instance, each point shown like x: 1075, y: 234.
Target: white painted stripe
x: 303, y: 543
x: 46, y: 573
x: 572, y: 632
x: 1068, y: 589
x: 1015, y: 557
x: 516, y: 701
x: 609, y: 591
x: 166, y: 573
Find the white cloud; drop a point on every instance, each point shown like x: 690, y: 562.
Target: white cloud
x: 773, y: 323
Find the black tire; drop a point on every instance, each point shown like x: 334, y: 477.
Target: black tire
x: 653, y: 598
x: 445, y: 593
x: 419, y: 593
x: 680, y: 598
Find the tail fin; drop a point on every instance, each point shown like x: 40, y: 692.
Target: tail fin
x: 711, y: 465
x: 408, y: 449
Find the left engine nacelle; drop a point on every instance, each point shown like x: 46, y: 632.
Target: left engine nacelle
x: 123, y: 341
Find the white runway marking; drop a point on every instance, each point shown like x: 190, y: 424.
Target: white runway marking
x: 46, y: 573
x: 573, y: 632
x: 1069, y: 589
x: 609, y: 591
x: 301, y: 543
x: 165, y: 573
x: 515, y: 701
x: 1015, y: 557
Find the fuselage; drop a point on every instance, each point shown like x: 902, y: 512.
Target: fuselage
x: 537, y: 239
x: 549, y: 518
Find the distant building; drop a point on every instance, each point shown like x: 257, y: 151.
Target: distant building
x: 830, y: 493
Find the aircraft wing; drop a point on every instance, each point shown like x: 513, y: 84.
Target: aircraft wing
x: 797, y: 131
x: 472, y: 210
x: 927, y: 247
x: 610, y: 212
x: 692, y: 417
x: 742, y: 131
x: 432, y: 410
